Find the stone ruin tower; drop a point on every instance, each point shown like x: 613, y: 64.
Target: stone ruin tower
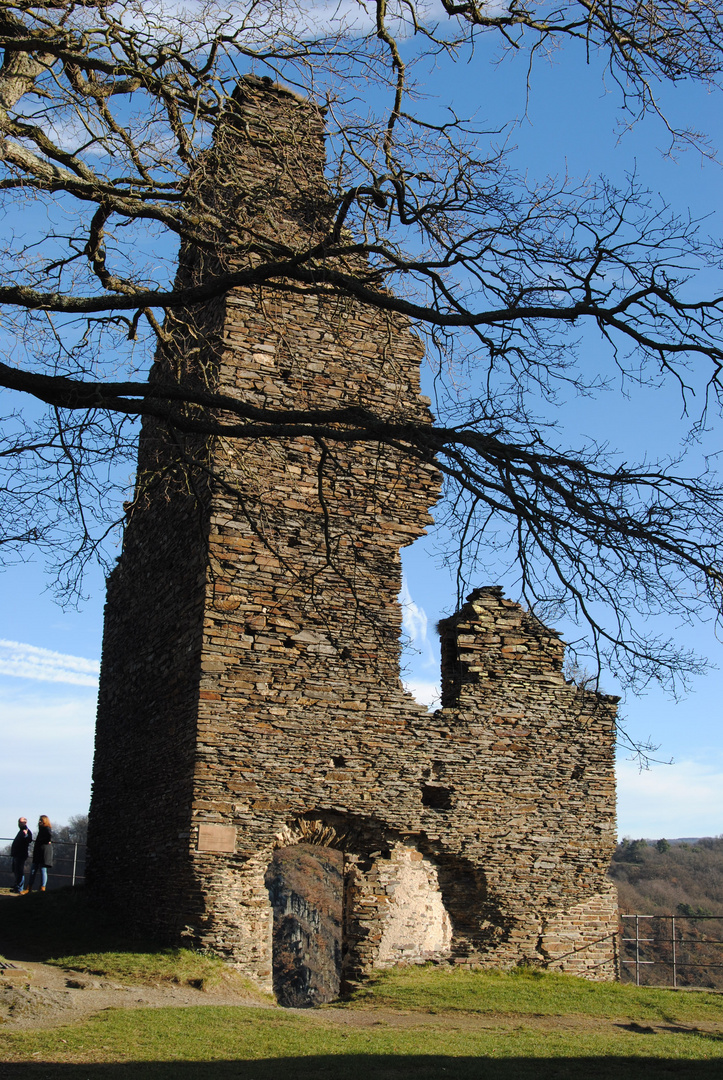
x: 250, y: 696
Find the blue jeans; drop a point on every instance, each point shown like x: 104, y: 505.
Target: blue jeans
x: 43, y: 875
x: 19, y: 873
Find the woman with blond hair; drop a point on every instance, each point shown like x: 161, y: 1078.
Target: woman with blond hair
x: 42, y: 853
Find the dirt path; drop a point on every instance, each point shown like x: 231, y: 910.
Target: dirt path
x: 36, y: 995
x: 42, y: 996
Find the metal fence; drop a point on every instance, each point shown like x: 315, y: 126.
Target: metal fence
x: 68, y: 864
x: 672, y: 950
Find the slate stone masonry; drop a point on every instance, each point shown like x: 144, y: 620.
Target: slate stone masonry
x: 250, y: 695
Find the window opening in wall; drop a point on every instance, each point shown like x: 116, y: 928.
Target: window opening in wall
x: 436, y: 796
x: 306, y: 889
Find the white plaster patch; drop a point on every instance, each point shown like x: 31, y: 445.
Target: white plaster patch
x: 417, y: 926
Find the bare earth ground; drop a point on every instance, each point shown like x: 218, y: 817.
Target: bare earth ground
x: 45, y: 997
x: 37, y: 995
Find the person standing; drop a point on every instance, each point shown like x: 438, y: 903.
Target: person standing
x: 42, y: 854
x: 19, y: 853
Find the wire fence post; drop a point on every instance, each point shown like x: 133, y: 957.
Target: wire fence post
x: 75, y: 861
x: 696, y: 966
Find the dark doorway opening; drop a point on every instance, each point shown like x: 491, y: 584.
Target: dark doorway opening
x: 306, y: 888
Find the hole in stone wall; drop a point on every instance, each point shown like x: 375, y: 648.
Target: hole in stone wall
x: 436, y: 797
x: 306, y: 889
x: 339, y: 761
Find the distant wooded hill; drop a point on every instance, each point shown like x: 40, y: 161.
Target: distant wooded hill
x: 669, y: 877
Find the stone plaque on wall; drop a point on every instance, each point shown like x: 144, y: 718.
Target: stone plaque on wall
x: 216, y: 838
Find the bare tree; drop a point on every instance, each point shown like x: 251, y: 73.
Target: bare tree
x: 107, y: 111
x: 75, y: 832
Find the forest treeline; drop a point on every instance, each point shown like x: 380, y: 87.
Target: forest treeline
x: 679, y: 879
x: 669, y: 879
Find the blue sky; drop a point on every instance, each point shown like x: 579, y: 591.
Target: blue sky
x: 49, y: 658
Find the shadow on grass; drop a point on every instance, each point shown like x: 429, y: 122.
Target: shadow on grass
x: 387, y: 1067
x: 673, y: 1029
x: 43, y: 926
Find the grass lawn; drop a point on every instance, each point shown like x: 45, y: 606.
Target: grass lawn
x: 424, y: 1023
x: 409, y: 1024
x: 253, y: 1043
x: 526, y: 991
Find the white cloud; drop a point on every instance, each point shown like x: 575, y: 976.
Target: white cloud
x: 198, y: 20
x: 414, y: 619
x: 683, y: 799
x: 30, y: 662
x: 426, y: 693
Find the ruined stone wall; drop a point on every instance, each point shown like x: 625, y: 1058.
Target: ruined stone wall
x: 250, y: 693
x: 544, y: 792
x: 147, y: 711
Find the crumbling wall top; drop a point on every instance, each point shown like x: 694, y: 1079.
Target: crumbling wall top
x: 492, y: 641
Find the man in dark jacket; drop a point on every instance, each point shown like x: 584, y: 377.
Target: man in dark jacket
x: 19, y: 853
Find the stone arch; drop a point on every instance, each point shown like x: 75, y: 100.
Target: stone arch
x: 393, y: 908
x: 313, y: 830
x: 466, y: 916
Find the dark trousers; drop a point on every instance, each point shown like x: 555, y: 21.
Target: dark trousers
x: 19, y: 872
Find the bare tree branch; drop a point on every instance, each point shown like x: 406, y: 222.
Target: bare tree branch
x: 120, y: 125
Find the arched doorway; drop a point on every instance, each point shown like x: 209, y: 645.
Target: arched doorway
x: 306, y: 890
x: 348, y: 897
